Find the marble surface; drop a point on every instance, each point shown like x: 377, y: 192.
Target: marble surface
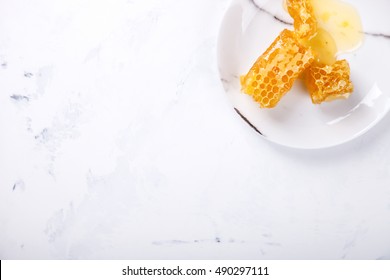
x: 117, y: 142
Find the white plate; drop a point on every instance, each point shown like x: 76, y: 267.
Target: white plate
x: 248, y: 29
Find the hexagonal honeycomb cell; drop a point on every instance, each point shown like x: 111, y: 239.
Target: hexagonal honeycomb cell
x: 275, y: 71
x: 305, y: 23
x: 328, y: 82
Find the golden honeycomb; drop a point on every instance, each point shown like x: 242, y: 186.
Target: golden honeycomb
x: 305, y: 23
x: 275, y: 71
x: 328, y: 82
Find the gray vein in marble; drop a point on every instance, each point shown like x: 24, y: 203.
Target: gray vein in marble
x: 64, y: 127
x: 273, y: 244
x: 28, y: 124
x: 173, y: 242
x: 261, y: 9
x: 93, y: 54
x: 44, y: 75
x: 19, y: 185
x: 55, y: 226
x: 225, y: 84
x: 352, y: 242
x: 248, y: 122
x: 4, y: 65
x: 43, y: 136
x: 193, y: 62
x: 195, y: 241
x: 224, y: 81
x: 28, y: 74
x: 18, y: 97
x: 385, y: 36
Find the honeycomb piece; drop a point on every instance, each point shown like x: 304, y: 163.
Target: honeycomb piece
x: 328, y: 82
x: 305, y: 23
x: 275, y: 71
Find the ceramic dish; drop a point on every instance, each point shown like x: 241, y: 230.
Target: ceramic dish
x: 247, y: 30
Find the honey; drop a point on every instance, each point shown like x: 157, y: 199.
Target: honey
x: 334, y: 26
x: 322, y: 30
x: 342, y: 21
x: 275, y: 71
x: 323, y: 45
x: 328, y: 82
x: 305, y: 23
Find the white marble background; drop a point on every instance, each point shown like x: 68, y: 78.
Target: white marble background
x: 118, y: 142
